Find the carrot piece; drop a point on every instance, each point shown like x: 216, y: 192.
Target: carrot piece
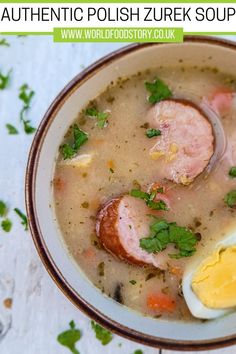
x: 110, y: 164
x: 176, y: 271
x: 59, y: 184
x: 89, y: 252
x: 161, y: 302
x: 156, y: 186
x: 98, y: 141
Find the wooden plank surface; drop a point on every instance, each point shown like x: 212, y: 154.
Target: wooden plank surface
x: 39, y: 311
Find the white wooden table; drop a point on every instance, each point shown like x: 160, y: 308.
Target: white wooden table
x: 39, y: 311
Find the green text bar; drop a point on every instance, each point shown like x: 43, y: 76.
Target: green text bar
x: 120, y: 1
x: 115, y: 34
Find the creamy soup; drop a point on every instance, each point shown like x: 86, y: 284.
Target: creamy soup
x: 123, y: 155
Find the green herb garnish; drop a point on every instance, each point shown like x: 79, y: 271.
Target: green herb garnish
x: 149, y: 199
x: 25, y: 95
x: 11, y: 129
x: 3, y: 209
x: 138, y: 351
x: 100, y: 116
x: 160, y: 190
x: 101, y: 269
x: 6, y: 225
x: 80, y: 137
x: 70, y: 337
x: 159, y: 91
x: 5, y: 79
x: 28, y: 128
x: 163, y: 233
x: 133, y: 282
x: 23, y: 217
x: 153, y: 132
x: 232, y: 172
x: 230, y: 199
x: 4, y: 42
x: 101, y: 333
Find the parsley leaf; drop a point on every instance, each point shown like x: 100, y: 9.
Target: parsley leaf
x: 23, y: 217
x: 6, y: 225
x: 232, y: 172
x: 230, y: 199
x: 28, y: 128
x: 5, y: 79
x: 163, y: 233
x: 70, y: 337
x: 4, y: 42
x: 80, y: 137
x: 3, y: 209
x: 67, y: 151
x: 100, y: 116
x: 153, y: 132
x: 149, y: 199
x: 25, y: 95
x: 11, y: 129
x: 159, y: 91
x: 102, y: 334
x: 138, y: 351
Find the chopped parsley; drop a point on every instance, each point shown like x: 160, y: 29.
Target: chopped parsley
x: 232, y: 172
x: 25, y: 95
x: 70, y: 337
x: 3, y: 209
x: 163, y: 233
x: 101, y: 269
x: 101, y: 333
x: 4, y: 42
x: 28, y: 127
x: 11, y: 129
x: 23, y: 217
x: 79, y: 138
x: 6, y: 225
x: 230, y: 199
x: 85, y: 205
x: 149, y: 199
x: 133, y: 282
x: 153, y: 132
x: 159, y: 91
x: 5, y: 79
x: 160, y: 190
x: 100, y: 116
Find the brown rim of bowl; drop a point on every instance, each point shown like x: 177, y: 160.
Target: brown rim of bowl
x: 40, y: 245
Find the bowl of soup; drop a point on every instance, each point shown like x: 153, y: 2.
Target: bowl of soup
x: 131, y: 192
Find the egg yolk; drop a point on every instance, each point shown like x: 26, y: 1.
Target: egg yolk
x: 214, y: 282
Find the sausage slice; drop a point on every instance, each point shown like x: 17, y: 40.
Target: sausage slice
x: 120, y: 224
x: 186, y: 144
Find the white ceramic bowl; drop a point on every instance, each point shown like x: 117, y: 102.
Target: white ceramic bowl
x: 199, y: 51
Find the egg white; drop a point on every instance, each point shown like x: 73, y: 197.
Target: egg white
x: 196, y: 307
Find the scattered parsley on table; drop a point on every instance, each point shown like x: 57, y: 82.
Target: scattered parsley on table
x: 26, y: 95
x: 70, y: 337
x: 24, y: 220
x: 102, y: 334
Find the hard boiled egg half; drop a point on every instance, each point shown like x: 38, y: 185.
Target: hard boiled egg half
x: 209, y: 288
